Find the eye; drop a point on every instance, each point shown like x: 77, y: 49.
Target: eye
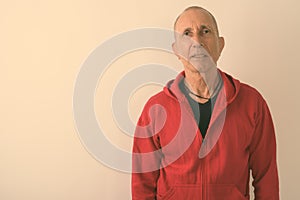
x: 187, y: 33
x: 205, y: 31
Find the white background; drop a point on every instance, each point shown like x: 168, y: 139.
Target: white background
x: 44, y: 43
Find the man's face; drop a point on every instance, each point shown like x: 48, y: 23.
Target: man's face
x: 197, y: 40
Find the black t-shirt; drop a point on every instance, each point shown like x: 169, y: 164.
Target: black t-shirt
x: 202, y: 111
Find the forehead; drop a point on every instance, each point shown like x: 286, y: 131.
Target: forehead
x: 193, y: 18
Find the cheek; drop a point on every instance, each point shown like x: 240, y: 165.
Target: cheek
x: 214, y: 51
x: 183, y: 50
x: 183, y: 47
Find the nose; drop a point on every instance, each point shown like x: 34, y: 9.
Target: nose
x: 197, y: 40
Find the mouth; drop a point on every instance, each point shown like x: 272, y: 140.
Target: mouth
x: 199, y: 56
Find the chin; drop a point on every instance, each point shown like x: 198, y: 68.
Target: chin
x: 203, y: 67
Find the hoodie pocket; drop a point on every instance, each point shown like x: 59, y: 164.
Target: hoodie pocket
x: 182, y: 192
x: 224, y: 191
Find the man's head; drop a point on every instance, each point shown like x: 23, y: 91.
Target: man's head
x: 198, y: 8
x: 200, y: 27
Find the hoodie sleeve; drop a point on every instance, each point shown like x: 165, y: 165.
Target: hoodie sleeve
x: 146, y: 158
x: 263, y: 156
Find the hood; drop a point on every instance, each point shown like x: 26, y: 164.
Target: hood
x: 231, y: 87
x: 226, y: 96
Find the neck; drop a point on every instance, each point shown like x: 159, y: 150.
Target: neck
x: 202, y: 84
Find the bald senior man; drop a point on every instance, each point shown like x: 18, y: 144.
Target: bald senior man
x: 202, y: 134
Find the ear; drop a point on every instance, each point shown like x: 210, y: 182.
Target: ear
x: 221, y: 44
x: 174, y: 47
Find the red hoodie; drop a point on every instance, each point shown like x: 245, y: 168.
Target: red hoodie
x: 172, y: 161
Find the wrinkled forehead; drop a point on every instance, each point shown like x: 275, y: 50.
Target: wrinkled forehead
x: 194, y: 18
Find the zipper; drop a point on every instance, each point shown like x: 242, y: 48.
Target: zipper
x: 203, y: 196
x: 202, y: 174
x: 201, y: 140
x: 202, y: 180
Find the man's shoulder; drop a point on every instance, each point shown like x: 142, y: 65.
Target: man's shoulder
x: 159, y: 97
x: 241, y: 89
x: 250, y: 91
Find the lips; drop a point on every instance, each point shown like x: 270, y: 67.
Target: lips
x: 198, y: 56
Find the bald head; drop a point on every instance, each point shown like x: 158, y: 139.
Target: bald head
x: 200, y: 9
